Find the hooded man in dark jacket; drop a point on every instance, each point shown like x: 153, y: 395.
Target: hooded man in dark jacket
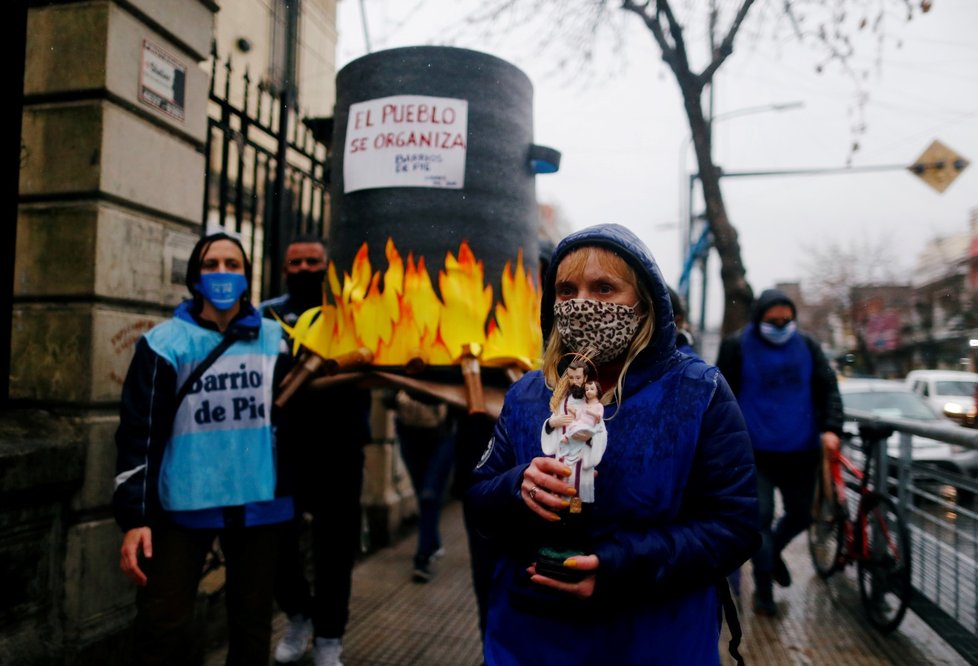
x: 790, y: 400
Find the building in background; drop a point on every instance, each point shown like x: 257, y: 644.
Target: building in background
x: 944, y: 316
x: 880, y: 315
x: 258, y: 37
x: 886, y: 330
x: 269, y: 123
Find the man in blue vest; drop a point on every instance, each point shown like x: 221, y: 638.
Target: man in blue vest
x: 790, y: 399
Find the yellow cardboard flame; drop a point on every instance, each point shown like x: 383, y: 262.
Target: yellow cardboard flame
x: 508, y: 333
x: 405, y: 320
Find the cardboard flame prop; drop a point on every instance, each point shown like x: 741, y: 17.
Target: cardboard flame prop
x: 405, y: 323
x: 430, y: 147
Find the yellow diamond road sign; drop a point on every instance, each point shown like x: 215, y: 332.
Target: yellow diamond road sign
x: 938, y: 166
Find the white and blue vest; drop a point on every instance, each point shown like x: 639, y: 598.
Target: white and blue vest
x: 222, y: 449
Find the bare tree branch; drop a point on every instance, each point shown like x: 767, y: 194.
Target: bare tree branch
x: 673, y: 54
x: 826, y: 24
x: 834, y: 267
x: 726, y: 46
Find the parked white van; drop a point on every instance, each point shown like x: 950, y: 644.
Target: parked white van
x: 950, y: 392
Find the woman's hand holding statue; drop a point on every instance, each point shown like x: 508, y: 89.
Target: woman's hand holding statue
x: 543, y: 487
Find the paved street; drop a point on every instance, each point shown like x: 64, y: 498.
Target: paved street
x: 396, y: 622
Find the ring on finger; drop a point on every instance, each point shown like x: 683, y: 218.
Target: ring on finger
x: 533, y: 493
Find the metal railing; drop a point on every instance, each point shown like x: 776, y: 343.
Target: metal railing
x: 266, y: 176
x: 939, y: 501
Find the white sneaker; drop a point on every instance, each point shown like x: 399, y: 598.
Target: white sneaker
x: 295, y: 642
x: 326, y: 652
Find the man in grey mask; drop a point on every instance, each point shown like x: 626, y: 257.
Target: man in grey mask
x: 790, y: 400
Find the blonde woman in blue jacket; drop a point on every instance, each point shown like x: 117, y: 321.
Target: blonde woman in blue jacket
x: 675, y: 498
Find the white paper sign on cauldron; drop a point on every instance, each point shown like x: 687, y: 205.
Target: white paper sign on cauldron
x: 406, y: 141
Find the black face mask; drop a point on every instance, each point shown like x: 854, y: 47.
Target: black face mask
x: 306, y: 287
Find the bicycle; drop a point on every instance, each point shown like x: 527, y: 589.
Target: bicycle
x: 877, y: 539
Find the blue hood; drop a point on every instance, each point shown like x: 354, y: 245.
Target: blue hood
x: 627, y: 245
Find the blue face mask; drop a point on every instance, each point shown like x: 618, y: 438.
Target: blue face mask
x: 777, y: 335
x: 223, y: 290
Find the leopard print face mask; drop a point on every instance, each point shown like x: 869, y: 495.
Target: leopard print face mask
x: 608, y: 328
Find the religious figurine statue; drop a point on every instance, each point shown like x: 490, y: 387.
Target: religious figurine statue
x: 575, y: 435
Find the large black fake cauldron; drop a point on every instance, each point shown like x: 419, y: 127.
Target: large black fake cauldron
x: 395, y: 171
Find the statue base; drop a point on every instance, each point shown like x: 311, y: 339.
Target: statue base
x: 550, y: 563
x: 568, y: 538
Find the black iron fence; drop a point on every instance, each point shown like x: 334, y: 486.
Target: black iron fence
x: 267, y: 173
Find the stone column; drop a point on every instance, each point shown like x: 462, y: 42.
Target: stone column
x: 388, y: 498
x: 111, y: 192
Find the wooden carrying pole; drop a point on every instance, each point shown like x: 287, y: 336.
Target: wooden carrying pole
x: 310, y: 364
x: 349, y: 360
x: 472, y: 377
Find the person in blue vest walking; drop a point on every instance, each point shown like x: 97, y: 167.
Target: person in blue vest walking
x: 197, y: 461
x: 790, y: 399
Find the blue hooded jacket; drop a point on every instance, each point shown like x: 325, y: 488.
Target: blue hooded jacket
x: 675, y: 507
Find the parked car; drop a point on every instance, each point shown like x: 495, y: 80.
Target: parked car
x: 889, y: 398
x: 950, y: 392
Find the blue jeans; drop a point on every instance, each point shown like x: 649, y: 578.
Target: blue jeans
x: 793, y: 474
x: 428, y: 454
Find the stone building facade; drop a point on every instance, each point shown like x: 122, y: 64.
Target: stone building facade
x: 109, y: 205
x: 99, y: 231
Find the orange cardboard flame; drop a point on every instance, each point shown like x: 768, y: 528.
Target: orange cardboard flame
x: 405, y: 321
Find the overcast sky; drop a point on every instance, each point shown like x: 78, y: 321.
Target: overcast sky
x: 623, y: 134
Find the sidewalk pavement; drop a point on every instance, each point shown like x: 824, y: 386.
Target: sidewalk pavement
x: 395, y: 622
x: 822, y: 623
